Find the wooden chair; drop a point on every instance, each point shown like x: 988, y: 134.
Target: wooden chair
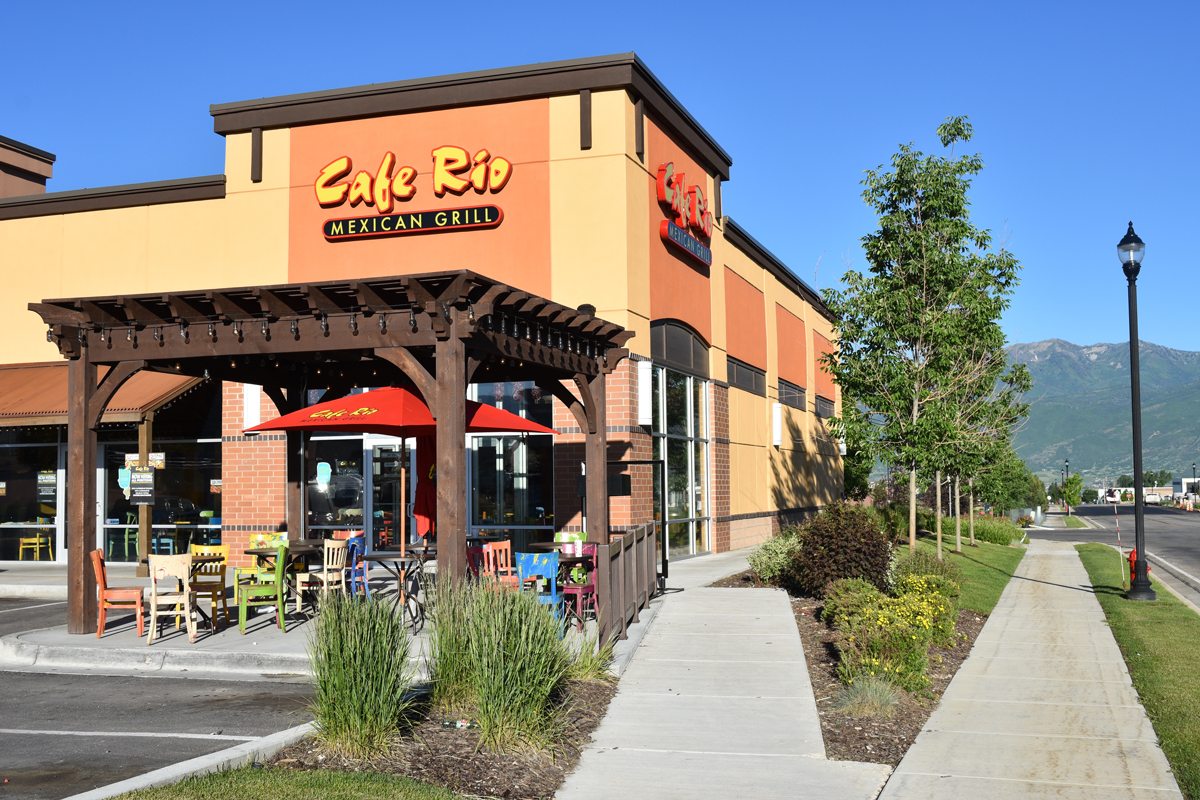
x: 498, y: 564
x: 331, y: 574
x: 580, y: 595
x: 128, y: 598
x: 538, y: 572
x: 356, y: 566
x: 256, y: 574
x: 35, y: 542
x: 170, y: 589
x: 209, y: 579
x: 267, y: 589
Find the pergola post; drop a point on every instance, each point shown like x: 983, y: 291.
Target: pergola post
x: 81, y: 496
x: 145, y: 513
x: 450, y: 410
x: 595, y: 456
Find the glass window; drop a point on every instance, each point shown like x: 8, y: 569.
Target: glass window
x: 28, y: 502
x: 677, y: 403
x: 678, y: 485
x: 522, y: 398
x: 791, y: 395
x: 656, y: 400
x: 679, y: 538
x: 335, y: 485
x: 512, y: 480
x: 824, y: 407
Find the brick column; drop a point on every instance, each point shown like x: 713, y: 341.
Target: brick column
x: 253, y: 475
x: 719, y: 466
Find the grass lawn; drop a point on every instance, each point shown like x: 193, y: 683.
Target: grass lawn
x: 985, y: 570
x: 1161, y: 645
x: 1073, y: 522
x: 269, y: 782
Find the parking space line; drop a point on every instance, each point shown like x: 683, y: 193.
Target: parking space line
x: 132, y: 734
x: 39, y: 605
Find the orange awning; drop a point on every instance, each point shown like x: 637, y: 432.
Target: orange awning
x: 36, y: 394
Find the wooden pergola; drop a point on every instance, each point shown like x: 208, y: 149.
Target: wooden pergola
x: 435, y: 332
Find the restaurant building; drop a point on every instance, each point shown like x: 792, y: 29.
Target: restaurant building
x: 585, y: 182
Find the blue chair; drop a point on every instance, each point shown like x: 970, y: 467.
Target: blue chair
x: 356, y: 566
x: 538, y: 570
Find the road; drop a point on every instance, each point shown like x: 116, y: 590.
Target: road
x: 1171, y: 535
x: 61, y: 734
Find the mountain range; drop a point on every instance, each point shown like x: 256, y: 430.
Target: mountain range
x: 1079, y: 409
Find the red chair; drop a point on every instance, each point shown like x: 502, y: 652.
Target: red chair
x: 583, y: 593
x: 498, y: 564
x: 127, y: 598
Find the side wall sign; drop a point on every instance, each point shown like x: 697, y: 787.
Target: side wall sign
x: 455, y: 171
x: 692, y: 219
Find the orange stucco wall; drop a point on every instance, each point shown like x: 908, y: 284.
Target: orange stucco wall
x: 745, y: 318
x: 679, y: 288
x: 516, y: 252
x: 790, y: 332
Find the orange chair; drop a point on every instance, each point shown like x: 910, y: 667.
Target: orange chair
x: 498, y: 564
x: 127, y: 598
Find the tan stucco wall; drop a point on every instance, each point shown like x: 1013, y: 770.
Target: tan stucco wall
x: 236, y: 241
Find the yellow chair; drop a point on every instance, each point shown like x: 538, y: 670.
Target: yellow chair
x: 209, y: 580
x: 36, y: 542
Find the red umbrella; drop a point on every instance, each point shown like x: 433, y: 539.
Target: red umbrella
x: 399, y: 412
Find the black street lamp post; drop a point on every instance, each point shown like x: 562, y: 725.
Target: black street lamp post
x: 1193, y: 491
x: 1130, y: 250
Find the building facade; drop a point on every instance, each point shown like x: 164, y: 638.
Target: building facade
x: 585, y: 182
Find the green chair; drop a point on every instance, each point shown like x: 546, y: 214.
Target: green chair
x: 267, y: 589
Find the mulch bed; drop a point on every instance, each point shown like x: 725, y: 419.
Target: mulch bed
x: 882, y: 741
x: 453, y: 757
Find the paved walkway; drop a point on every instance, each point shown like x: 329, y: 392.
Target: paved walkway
x: 716, y: 703
x: 1043, y: 707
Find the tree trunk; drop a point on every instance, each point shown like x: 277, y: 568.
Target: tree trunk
x: 971, y: 510
x: 912, y: 509
x: 937, y: 518
x: 957, y: 516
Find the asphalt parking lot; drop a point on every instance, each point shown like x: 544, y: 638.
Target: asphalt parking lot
x: 61, y: 733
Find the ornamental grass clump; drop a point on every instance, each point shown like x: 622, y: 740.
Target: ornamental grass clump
x: 996, y: 530
x: 498, y: 656
x: 843, y: 541
x: 868, y: 697
x: 362, y: 675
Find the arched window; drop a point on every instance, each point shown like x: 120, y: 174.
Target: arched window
x: 676, y: 345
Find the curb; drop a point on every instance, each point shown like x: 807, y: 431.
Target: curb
x: 17, y: 591
x: 15, y: 653
x: 231, y: 758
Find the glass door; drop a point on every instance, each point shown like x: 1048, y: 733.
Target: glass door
x: 389, y: 496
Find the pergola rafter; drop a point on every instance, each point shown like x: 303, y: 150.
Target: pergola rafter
x: 435, y: 332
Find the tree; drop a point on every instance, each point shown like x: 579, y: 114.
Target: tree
x: 1008, y: 484
x: 1090, y: 495
x: 919, y: 330
x: 1073, y: 490
x: 858, y: 461
x: 1124, y: 480
x: 1055, y: 492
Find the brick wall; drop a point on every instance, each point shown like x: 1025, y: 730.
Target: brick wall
x: 253, y: 476
x: 719, y: 466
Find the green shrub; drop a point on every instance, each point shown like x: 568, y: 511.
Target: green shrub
x: 997, y: 530
x: 921, y: 562
x: 774, y: 560
x: 894, y: 520
x: 499, y: 656
x: 933, y: 602
x: 846, y: 598
x: 361, y: 674
x: 868, y: 697
x: 884, y: 641
x: 843, y: 541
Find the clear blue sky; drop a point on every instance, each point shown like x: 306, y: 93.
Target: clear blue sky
x: 1086, y: 113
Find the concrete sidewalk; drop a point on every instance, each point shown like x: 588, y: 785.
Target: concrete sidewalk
x: 1043, y: 707
x: 716, y: 703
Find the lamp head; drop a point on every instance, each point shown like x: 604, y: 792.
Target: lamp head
x: 1130, y: 250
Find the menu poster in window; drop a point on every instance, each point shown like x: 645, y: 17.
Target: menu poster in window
x: 155, y: 460
x: 47, y: 483
x: 214, y: 486
x: 3, y: 488
x: 141, y: 486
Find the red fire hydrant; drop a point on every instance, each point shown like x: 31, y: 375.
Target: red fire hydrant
x: 1132, y: 559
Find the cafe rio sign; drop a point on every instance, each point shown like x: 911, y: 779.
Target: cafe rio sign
x: 455, y: 171
x: 688, y: 216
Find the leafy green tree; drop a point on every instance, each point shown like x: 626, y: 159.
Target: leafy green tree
x: 858, y: 461
x: 1073, y: 490
x: 1055, y: 492
x: 918, y: 331
x: 1090, y: 495
x: 1006, y: 483
x: 1124, y: 480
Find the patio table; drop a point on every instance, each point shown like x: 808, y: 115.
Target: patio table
x: 408, y: 570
